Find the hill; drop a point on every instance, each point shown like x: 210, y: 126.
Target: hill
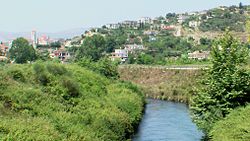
x: 49, y: 101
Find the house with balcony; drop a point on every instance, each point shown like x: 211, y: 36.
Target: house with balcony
x: 182, y: 18
x: 61, y: 54
x: 119, y: 54
x: 4, y: 48
x: 199, y: 55
x: 133, y: 47
x: 113, y: 26
x: 194, y: 24
x: 145, y: 20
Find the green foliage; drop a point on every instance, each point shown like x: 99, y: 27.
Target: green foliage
x: 92, y: 47
x: 235, y: 127
x: 104, y: 67
x: 226, y: 84
x: 65, y: 102
x: 21, y: 51
x: 41, y: 75
x: 56, y: 69
x: 162, y: 83
x: 17, y: 74
x: 248, y: 30
x: 222, y: 20
x: 145, y: 59
x: 72, y: 88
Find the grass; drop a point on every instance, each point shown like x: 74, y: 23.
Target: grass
x: 162, y: 83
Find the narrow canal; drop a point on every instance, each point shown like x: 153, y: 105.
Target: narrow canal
x: 167, y: 121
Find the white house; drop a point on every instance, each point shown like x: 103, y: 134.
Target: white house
x: 145, y: 20
x: 113, y: 26
x: 120, y: 54
x: 200, y: 55
x: 132, y: 47
x: 194, y: 23
x: 182, y: 18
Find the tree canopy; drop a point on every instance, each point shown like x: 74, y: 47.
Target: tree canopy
x: 92, y: 47
x: 226, y: 84
x: 21, y: 51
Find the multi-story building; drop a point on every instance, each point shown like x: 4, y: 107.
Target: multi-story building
x: 43, y: 40
x: 4, y: 48
x: 167, y: 27
x: 182, y: 18
x: 200, y: 55
x: 131, y: 24
x: 146, y: 20
x: 34, y: 38
x: 120, y: 54
x: 194, y: 24
x: 61, y: 54
x: 132, y: 47
x: 113, y: 26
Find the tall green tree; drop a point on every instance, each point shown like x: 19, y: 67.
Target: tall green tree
x: 21, y: 51
x: 92, y: 47
x: 226, y: 84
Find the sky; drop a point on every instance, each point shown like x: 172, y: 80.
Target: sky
x: 60, y: 15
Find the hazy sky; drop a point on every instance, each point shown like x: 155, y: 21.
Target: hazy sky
x: 58, y: 15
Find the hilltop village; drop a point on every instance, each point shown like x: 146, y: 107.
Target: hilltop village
x: 161, y: 40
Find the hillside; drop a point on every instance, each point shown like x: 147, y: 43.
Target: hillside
x: 35, y: 104
x: 163, y: 40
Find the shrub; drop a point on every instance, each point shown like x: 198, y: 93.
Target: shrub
x: 75, y: 107
x: 17, y: 74
x: 73, y: 89
x: 41, y: 75
x: 56, y: 69
x: 235, y: 127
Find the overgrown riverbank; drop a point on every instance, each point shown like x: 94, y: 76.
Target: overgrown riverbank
x: 175, y: 84
x: 48, y: 101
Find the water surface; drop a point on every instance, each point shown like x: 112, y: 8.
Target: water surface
x: 167, y: 121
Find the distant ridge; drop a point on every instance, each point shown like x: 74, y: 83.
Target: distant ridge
x: 7, y: 36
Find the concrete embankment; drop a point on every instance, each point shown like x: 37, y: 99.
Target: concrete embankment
x: 159, y: 82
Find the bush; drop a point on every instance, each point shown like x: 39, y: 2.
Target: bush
x: 41, y: 74
x: 69, y: 103
x: 17, y: 74
x: 72, y: 88
x: 104, y: 67
x: 235, y: 127
x: 56, y: 69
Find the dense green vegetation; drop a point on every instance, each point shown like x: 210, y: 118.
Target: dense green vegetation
x: 50, y: 101
x: 235, y: 127
x: 226, y: 85
x: 21, y: 51
x: 104, y: 66
x: 232, y: 17
x: 166, y: 49
x: 248, y: 30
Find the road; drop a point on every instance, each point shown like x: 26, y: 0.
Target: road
x: 193, y: 67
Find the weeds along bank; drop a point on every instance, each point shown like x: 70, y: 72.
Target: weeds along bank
x: 48, y: 101
x: 162, y: 83
x: 235, y: 127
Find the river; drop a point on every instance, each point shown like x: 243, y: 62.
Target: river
x: 167, y: 121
